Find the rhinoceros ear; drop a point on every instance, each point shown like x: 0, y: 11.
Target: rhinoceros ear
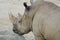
x: 26, y: 6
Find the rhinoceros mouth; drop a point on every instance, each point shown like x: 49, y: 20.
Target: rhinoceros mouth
x: 17, y: 32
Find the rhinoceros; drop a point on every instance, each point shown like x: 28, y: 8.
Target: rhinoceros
x: 41, y: 17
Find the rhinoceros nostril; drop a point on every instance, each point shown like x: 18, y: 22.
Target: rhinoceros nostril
x: 15, y: 31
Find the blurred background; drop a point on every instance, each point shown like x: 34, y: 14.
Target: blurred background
x: 15, y: 6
